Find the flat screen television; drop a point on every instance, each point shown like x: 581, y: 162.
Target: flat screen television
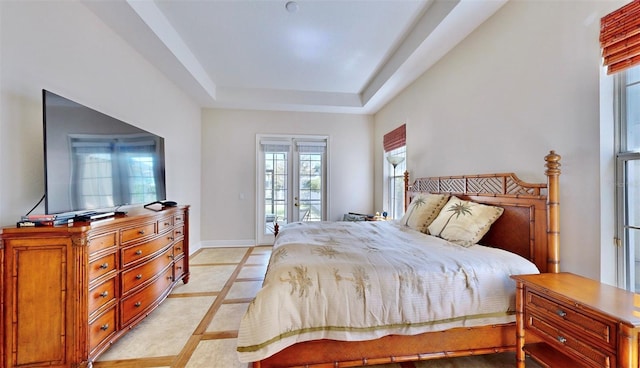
x: 94, y: 162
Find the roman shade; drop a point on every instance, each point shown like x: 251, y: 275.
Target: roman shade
x: 395, y: 138
x: 620, y: 38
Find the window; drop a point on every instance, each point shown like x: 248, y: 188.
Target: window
x: 395, y: 152
x: 627, y: 142
x: 396, y: 181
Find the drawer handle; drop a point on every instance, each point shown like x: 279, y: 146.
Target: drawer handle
x: 166, y: 224
x: 170, y: 278
x: 561, y: 313
x: 178, y: 249
x: 170, y: 238
x: 179, y: 267
x: 138, y: 304
x: 138, y: 252
x: 104, y: 294
x: 139, y: 276
x: 562, y: 340
x: 104, y: 327
x: 141, y: 232
x: 179, y: 232
x: 178, y: 218
x: 104, y: 266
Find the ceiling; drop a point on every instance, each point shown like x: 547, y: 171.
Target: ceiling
x: 348, y: 56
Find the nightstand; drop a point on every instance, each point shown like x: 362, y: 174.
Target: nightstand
x: 576, y: 321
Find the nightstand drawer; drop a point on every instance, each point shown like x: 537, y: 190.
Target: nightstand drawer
x: 567, y: 343
x: 598, y: 329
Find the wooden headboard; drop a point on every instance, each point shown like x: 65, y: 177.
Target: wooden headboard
x: 529, y: 225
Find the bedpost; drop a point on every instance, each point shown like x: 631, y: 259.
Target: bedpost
x: 406, y: 190
x: 553, y: 211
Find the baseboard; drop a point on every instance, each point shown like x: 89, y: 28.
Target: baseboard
x: 227, y: 243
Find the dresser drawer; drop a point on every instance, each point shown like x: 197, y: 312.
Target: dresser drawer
x: 178, y: 268
x: 178, y: 232
x: 567, y: 342
x: 139, y: 275
x: 101, y: 242
x: 178, y: 248
x: 102, y: 266
x: 165, y: 224
x: 139, y: 252
x: 102, y: 328
x: 595, y: 328
x: 138, y: 302
x: 102, y: 294
x: 178, y: 219
x: 137, y: 232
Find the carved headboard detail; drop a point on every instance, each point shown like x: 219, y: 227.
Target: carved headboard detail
x: 529, y: 225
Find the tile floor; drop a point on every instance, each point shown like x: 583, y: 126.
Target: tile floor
x: 197, y: 325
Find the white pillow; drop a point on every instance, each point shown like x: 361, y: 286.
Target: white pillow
x: 423, y: 209
x: 464, y: 222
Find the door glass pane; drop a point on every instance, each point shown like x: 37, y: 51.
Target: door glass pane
x: 632, y: 214
x: 311, y: 186
x: 275, y: 189
x: 633, y: 118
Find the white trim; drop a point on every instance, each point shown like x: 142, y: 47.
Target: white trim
x: 227, y: 243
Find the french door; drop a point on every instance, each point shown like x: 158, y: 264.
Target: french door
x: 292, y: 182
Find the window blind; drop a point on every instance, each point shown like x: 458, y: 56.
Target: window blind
x: 311, y: 147
x: 395, y: 138
x: 275, y: 146
x: 620, y: 38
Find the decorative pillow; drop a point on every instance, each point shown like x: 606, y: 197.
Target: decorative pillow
x: 464, y: 222
x: 423, y: 209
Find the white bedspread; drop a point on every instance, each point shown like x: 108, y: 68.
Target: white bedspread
x: 365, y: 280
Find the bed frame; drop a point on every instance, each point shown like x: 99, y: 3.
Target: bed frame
x: 529, y: 227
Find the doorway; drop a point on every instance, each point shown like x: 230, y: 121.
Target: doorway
x: 292, y: 182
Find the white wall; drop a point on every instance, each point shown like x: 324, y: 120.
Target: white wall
x: 64, y: 48
x: 524, y: 83
x: 229, y: 166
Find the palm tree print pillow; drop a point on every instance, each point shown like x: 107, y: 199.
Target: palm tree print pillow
x: 464, y: 222
x: 423, y: 210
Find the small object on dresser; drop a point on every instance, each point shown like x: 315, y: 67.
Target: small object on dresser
x: 93, y: 215
x: 160, y: 205
x: 36, y: 220
x: 27, y: 223
x: 41, y: 217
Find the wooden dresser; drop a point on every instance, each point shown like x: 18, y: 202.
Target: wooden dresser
x: 581, y: 322
x: 71, y: 291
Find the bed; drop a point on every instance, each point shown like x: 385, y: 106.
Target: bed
x: 365, y: 320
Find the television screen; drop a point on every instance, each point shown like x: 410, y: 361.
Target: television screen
x: 96, y: 162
